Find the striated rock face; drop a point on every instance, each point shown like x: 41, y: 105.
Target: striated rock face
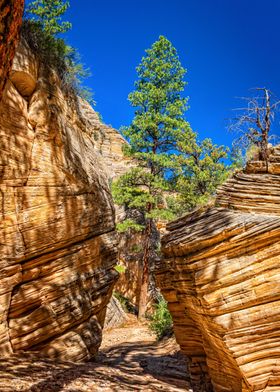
x: 220, y: 277
x: 108, y: 143
x: 115, y: 315
x: 10, y: 21
x: 57, y: 238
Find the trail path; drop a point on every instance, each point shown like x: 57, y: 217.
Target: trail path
x: 129, y: 360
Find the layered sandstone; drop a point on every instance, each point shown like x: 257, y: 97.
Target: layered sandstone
x: 57, y: 238
x: 10, y: 21
x: 108, y: 143
x: 220, y: 276
x: 115, y: 314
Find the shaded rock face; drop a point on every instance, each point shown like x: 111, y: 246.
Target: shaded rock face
x: 57, y: 238
x: 220, y: 276
x: 115, y: 315
x: 131, y: 257
x: 10, y: 21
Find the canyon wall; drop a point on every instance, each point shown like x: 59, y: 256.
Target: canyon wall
x: 220, y: 276
x: 10, y: 21
x: 57, y: 237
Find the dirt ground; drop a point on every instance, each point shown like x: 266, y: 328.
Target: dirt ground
x: 130, y: 359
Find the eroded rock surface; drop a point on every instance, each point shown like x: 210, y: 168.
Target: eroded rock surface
x: 115, y: 314
x: 57, y: 238
x: 220, y: 277
x: 108, y: 143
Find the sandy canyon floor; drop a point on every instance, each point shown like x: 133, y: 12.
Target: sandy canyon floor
x: 130, y: 359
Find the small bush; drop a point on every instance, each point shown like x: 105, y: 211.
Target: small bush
x: 120, y: 268
x: 161, y: 320
x: 136, y: 248
x: 55, y: 54
x: 129, y: 224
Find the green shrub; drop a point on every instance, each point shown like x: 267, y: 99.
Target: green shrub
x: 161, y: 320
x: 128, y: 224
x: 55, y: 54
x: 136, y: 248
x: 120, y: 268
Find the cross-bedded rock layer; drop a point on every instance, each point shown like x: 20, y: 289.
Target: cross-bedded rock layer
x: 57, y: 238
x: 220, y: 276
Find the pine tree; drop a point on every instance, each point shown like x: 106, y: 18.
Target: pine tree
x: 48, y: 13
x: 201, y: 169
x: 157, y: 128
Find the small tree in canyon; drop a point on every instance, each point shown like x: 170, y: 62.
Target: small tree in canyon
x: 43, y: 28
x: 154, y: 134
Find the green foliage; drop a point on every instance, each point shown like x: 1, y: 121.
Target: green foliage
x: 136, y: 248
x: 156, y: 130
x: 161, y: 321
x: 48, y: 13
x: 128, y: 224
x: 41, y: 29
x: 120, y: 268
x: 201, y: 168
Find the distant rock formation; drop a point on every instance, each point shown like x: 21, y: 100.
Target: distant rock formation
x: 220, y: 276
x: 108, y: 143
x: 57, y: 231
x: 115, y: 314
x: 10, y: 21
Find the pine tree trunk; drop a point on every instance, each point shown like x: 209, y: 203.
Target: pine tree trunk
x: 145, y: 272
x: 10, y: 21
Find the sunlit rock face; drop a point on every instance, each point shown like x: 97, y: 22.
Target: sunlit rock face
x: 57, y: 238
x: 220, y: 276
x: 10, y: 21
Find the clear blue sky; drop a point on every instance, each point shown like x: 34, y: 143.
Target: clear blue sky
x: 227, y: 46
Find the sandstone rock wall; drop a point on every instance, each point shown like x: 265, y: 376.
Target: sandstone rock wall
x: 57, y: 238
x: 108, y: 143
x: 10, y: 21
x: 220, y: 277
x: 115, y: 315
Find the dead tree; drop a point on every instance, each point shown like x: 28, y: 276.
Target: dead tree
x: 254, y: 121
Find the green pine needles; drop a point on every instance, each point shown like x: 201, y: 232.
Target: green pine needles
x: 155, y: 132
x: 173, y: 172
x: 42, y: 29
x: 49, y: 15
x: 154, y: 136
x: 201, y: 169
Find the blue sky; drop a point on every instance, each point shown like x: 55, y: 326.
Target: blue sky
x: 227, y: 46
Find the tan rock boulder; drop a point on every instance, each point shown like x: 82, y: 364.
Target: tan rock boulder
x: 57, y: 238
x: 220, y: 276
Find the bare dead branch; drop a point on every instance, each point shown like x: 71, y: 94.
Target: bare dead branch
x: 254, y: 121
